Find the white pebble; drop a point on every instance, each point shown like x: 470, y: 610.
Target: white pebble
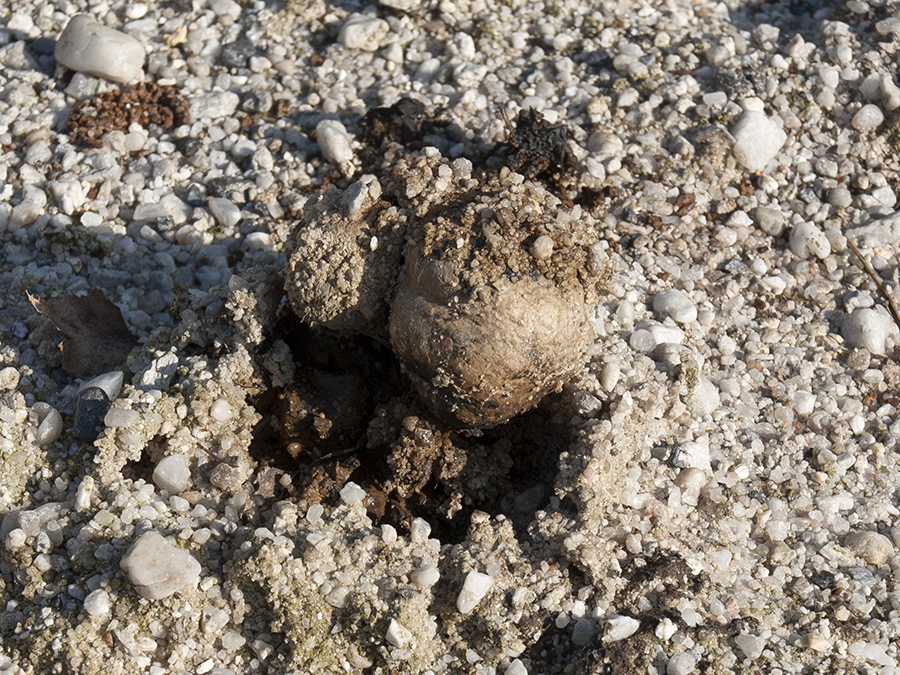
x: 583, y: 632
x: 363, y: 32
x: 352, y: 493
x: 665, y: 629
x: 808, y: 241
x: 751, y: 645
x: 334, y: 142
x: 868, y: 118
x: 121, y: 418
x: 9, y: 378
x: 221, y: 410
x: 33, y: 205
x: 757, y: 139
x: 425, y: 577
x: 213, y: 104
x: 156, y: 568
x: 873, y: 547
x: 804, y: 402
x: 474, y: 588
x: 88, y: 47
x: 228, y: 8
x: 873, y: 652
x: 419, y: 531
x: 50, y: 426
x: 542, y: 248
x: 675, y: 304
x: 609, y: 375
x: 173, y: 474
x: 620, y: 627
x: 868, y: 329
x: 226, y: 213
x: 84, y: 493
x: 516, y: 667
x: 97, y: 603
x: 681, y: 664
x: 693, y: 454
x: 397, y: 634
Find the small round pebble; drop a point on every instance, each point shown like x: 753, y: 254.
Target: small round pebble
x: 675, y: 304
x: 542, y: 248
x: 516, y: 667
x: 9, y: 378
x: 425, y: 577
x: 224, y: 211
x: 751, y: 645
x: 363, y: 32
x: 868, y: 118
x: 221, y: 410
x: 173, y: 474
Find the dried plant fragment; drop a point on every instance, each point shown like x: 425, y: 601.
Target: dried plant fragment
x: 145, y: 103
x: 96, y: 339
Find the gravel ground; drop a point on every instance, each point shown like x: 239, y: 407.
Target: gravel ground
x: 713, y: 492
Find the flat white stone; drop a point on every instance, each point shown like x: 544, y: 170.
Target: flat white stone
x: 757, y: 139
x: 156, y: 568
x: 88, y: 47
x: 675, y: 304
x: 474, y: 588
x: 213, y: 104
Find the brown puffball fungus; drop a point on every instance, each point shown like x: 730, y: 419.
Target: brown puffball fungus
x: 489, y: 309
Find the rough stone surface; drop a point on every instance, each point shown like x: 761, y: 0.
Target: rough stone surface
x: 156, y: 568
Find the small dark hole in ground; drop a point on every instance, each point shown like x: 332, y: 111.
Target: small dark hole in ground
x: 349, y: 414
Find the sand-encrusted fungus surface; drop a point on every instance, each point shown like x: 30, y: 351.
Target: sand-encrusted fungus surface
x: 487, y: 285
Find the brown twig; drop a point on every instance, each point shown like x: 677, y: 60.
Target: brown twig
x: 881, y: 287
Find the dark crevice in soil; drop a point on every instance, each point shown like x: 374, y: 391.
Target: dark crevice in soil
x: 349, y: 414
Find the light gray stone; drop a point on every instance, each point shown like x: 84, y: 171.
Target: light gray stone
x: 173, y: 474
x: 156, y: 568
x: 86, y: 46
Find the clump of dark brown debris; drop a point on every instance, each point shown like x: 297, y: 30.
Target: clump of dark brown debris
x: 537, y: 149
x: 145, y: 103
x: 400, y: 123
